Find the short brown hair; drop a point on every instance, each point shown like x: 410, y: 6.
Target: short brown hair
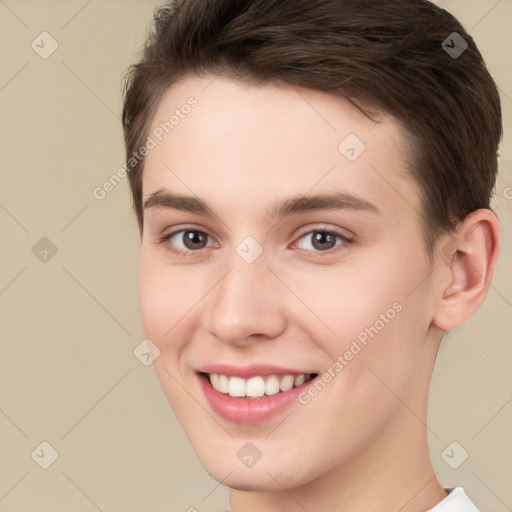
x: 387, y: 54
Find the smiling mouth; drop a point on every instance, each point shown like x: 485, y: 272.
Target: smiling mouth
x: 257, y: 386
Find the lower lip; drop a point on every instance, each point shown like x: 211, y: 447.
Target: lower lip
x: 247, y: 410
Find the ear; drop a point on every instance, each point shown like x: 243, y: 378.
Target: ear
x: 467, y: 262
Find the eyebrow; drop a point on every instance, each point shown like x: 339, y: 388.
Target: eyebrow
x: 279, y: 209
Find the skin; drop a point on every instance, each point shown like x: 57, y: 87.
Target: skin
x: 361, y: 443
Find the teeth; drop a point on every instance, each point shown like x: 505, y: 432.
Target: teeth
x: 255, y: 387
x: 272, y: 385
x: 215, y: 381
x: 223, y: 384
x: 286, y: 382
x: 299, y: 380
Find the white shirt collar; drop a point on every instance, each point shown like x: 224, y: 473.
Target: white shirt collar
x: 456, y: 501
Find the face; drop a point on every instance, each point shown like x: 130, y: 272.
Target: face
x: 282, y: 242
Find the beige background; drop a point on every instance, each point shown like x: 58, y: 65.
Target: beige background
x: 70, y: 325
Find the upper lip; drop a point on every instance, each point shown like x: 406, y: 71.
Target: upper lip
x: 252, y: 370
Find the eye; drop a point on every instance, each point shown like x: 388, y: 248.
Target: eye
x: 321, y: 240
x: 186, y: 241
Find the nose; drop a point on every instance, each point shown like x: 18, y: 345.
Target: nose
x: 247, y: 303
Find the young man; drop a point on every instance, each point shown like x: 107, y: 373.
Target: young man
x: 311, y: 182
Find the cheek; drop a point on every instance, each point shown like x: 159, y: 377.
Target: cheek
x: 375, y: 322
x: 373, y: 355
x: 165, y: 294
x: 152, y: 300
x: 163, y: 304
x: 162, y: 297
x: 347, y: 300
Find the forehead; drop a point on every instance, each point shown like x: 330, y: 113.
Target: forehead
x: 219, y: 138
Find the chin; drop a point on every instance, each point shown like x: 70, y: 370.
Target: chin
x: 257, y: 478
x: 247, y: 484
x: 251, y: 482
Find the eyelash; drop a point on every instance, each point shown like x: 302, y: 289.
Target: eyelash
x: 345, y: 241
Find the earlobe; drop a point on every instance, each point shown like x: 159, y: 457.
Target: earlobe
x: 468, y: 259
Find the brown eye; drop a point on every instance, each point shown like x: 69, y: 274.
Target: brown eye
x: 186, y: 241
x: 322, y: 240
x: 194, y: 239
